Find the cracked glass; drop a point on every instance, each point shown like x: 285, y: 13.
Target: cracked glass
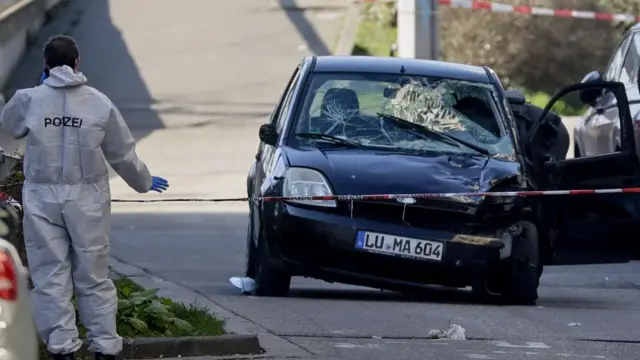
x: 398, y: 112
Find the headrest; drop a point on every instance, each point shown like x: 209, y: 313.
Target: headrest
x: 341, y: 99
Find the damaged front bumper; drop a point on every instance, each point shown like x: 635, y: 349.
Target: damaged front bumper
x: 310, y: 242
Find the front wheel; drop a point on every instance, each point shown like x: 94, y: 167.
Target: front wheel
x: 516, y: 279
x: 269, y: 280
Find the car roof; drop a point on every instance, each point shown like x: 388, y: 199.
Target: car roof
x: 391, y: 65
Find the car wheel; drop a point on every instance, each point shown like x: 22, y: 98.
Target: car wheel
x: 269, y: 280
x: 515, y: 281
x: 250, y: 270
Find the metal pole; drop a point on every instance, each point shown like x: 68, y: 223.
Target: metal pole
x: 427, y: 46
x: 408, y: 25
x: 418, y: 35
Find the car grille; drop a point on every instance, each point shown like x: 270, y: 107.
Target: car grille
x: 417, y: 216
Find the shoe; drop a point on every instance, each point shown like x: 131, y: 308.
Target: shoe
x: 100, y: 356
x: 69, y: 356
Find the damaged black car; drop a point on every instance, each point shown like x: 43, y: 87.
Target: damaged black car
x: 367, y: 125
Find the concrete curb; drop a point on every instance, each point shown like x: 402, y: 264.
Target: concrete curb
x: 271, y: 343
x: 157, y: 348
x: 349, y: 31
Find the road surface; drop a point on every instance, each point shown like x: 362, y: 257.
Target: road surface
x: 195, y: 79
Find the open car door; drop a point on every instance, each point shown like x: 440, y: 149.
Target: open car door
x: 590, y: 228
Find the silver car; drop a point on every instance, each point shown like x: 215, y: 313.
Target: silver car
x: 18, y: 339
x: 598, y: 131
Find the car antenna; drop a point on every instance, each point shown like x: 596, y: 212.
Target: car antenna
x: 402, y: 70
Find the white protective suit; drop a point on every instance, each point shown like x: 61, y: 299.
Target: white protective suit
x: 70, y: 130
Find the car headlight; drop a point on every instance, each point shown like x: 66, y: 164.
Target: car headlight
x: 301, y: 182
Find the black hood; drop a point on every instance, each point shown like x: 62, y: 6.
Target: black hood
x: 359, y: 172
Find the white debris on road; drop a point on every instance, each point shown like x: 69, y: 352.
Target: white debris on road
x: 454, y: 332
x: 574, y: 324
x: 246, y: 284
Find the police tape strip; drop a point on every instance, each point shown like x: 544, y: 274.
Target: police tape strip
x: 5, y: 197
x: 392, y: 196
x: 532, y: 10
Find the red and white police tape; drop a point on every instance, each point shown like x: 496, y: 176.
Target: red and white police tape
x: 393, y: 196
x: 531, y: 10
x: 630, y: 190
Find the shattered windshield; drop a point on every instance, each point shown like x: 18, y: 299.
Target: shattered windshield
x: 403, y: 113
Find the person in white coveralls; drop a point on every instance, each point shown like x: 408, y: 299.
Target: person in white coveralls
x: 70, y: 129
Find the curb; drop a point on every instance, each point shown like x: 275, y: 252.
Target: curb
x: 235, y: 324
x: 350, y: 29
x: 157, y: 348
x: 191, y: 346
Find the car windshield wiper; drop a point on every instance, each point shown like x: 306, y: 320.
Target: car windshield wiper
x: 436, y: 134
x: 330, y: 138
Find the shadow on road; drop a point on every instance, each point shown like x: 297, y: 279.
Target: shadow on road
x: 110, y: 67
x: 304, y: 27
x: 105, y: 60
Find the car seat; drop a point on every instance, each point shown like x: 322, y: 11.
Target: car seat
x: 338, y: 104
x: 338, y: 101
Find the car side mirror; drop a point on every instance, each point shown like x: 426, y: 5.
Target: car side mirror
x: 268, y: 134
x: 591, y: 96
x: 515, y: 97
x: 617, y: 89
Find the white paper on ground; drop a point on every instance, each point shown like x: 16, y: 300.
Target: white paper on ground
x: 454, y: 332
x: 246, y: 284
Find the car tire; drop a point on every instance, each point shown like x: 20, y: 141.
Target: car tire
x: 515, y: 281
x: 269, y: 280
x: 250, y: 265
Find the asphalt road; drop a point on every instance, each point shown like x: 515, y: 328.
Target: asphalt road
x: 195, y: 79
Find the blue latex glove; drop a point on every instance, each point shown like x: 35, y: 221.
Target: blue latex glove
x: 43, y: 77
x: 159, y: 184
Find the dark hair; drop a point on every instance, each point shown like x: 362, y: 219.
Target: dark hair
x: 61, y: 50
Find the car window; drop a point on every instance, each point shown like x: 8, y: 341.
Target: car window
x: 615, y: 64
x: 401, y: 112
x: 629, y: 73
x: 284, y: 109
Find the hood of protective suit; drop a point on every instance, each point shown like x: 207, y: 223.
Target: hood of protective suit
x: 64, y: 76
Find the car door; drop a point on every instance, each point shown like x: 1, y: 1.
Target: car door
x: 610, y: 170
x: 598, y: 132
x: 629, y: 77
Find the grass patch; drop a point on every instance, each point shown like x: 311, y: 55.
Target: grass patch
x: 376, y: 33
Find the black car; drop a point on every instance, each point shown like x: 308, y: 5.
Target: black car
x: 368, y: 125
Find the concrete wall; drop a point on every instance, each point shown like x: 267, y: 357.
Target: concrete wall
x: 20, y: 21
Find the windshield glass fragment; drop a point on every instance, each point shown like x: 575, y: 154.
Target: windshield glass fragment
x: 404, y: 113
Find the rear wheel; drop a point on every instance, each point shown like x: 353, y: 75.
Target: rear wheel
x: 515, y: 281
x: 269, y: 280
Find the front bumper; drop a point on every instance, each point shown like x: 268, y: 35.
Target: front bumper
x: 310, y: 242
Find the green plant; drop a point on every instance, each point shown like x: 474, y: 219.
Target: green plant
x: 376, y: 33
x: 143, y: 313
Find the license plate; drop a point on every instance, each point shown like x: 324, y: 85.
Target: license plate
x: 399, y: 246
